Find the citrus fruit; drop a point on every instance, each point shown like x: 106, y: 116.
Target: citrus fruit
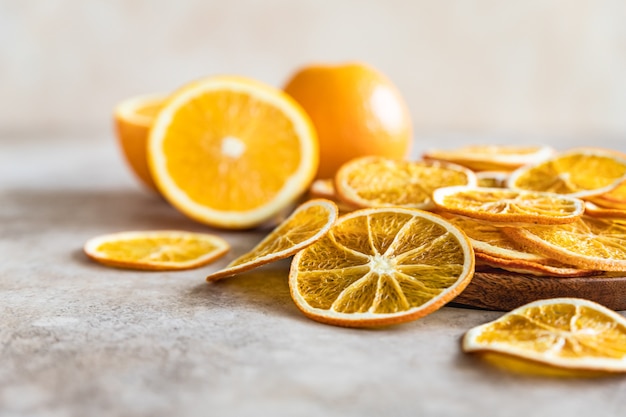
x: 309, y: 222
x: 374, y: 181
x: 614, y: 199
x: 544, y: 267
x: 564, y: 333
x: 133, y: 118
x: 495, y: 179
x: 580, y: 173
x: 491, y: 157
x: 325, y: 188
x: 594, y: 210
x: 510, y: 206
x: 356, y: 110
x: 156, y: 250
x: 381, y: 266
x: 232, y: 152
x: 588, y: 243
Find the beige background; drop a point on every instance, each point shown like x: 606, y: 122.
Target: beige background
x: 554, y: 67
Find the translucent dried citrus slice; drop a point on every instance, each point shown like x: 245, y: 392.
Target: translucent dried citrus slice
x: 489, y: 239
x: 495, y: 179
x: 156, y: 250
x: 564, y: 333
x: 381, y: 266
x: 511, y: 206
x: 588, y: 243
x: 308, y: 223
x: 232, y: 152
x: 491, y: 157
x: 381, y: 182
x: 592, y: 209
x: 579, y: 173
x: 543, y: 268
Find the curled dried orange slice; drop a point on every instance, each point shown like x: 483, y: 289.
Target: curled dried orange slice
x: 491, y: 157
x: 511, y: 206
x: 580, y: 173
x: 561, y: 333
x: 381, y: 266
x: 156, y: 250
x: 308, y: 223
x: 544, y: 268
x: 588, y: 243
x: 382, y: 182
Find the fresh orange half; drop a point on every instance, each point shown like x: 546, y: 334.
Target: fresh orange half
x: 133, y: 118
x: 491, y: 157
x: 381, y: 266
x: 383, y: 182
x: 156, y: 250
x: 588, y: 243
x: 510, y: 206
x: 308, y: 223
x: 232, y: 152
x: 579, y: 173
x: 562, y: 333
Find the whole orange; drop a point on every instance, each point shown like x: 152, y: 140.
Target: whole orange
x: 356, y: 110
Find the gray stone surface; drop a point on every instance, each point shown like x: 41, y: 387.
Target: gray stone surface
x: 80, y: 339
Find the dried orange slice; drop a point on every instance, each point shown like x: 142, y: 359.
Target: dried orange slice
x: 381, y: 266
x: 544, y: 268
x: 588, y: 243
x: 491, y: 157
x: 489, y: 239
x: 325, y: 188
x: 382, y: 182
x: 511, y: 206
x: 308, y: 223
x: 561, y: 333
x: 232, y: 152
x: 133, y: 118
x: 614, y: 199
x: 594, y: 210
x: 578, y: 173
x: 496, y: 179
x: 156, y: 250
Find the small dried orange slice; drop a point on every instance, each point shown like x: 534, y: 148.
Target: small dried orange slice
x: 308, y: 223
x: 381, y: 182
x: 614, y: 199
x: 491, y: 157
x: 511, y: 206
x: 579, y: 173
x: 494, y: 179
x: 156, y: 250
x: 561, y: 333
x: 588, y: 243
x: 325, y: 188
x: 381, y: 266
x: 592, y: 209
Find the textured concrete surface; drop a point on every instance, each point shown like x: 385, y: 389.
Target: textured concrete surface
x: 80, y: 339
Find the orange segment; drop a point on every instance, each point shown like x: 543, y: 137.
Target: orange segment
x: 382, y: 182
x: 588, y: 243
x: 156, y: 250
x: 579, y: 173
x: 308, y: 223
x: 491, y: 157
x: 563, y: 333
x: 232, y: 152
x: 510, y: 206
x: 133, y: 119
x: 381, y: 266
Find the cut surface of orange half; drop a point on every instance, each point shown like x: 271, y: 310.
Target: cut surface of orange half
x: 565, y: 333
x: 510, y: 206
x: 491, y: 157
x: 156, y: 250
x: 381, y: 266
x: 383, y: 182
x: 579, y: 173
x: 133, y: 118
x: 588, y: 243
x: 232, y: 152
x: 308, y: 223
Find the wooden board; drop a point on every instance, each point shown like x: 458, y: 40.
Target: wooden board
x: 504, y: 291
